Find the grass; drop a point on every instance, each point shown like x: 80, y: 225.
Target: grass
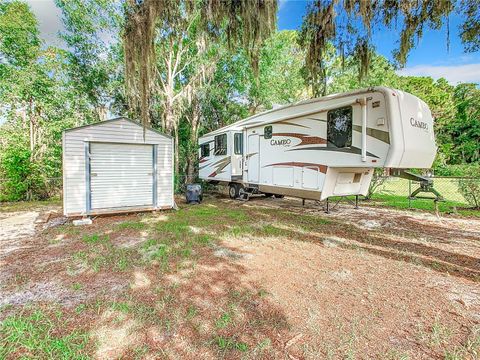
x: 134, y: 225
x: 95, y: 239
x: 230, y: 343
x: 235, y: 324
x: 189, y: 230
x: 394, y: 193
x: 29, y: 205
x: 448, y: 188
x: 35, y: 334
x: 224, y: 320
x: 437, y: 335
x: 77, y: 286
x: 101, y: 253
x: 402, y: 202
x: 469, y: 350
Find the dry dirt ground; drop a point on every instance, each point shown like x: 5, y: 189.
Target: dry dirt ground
x: 267, y: 278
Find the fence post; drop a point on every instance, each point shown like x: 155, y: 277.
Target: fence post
x: 409, y: 194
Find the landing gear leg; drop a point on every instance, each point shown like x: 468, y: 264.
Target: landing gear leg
x: 327, y: 210
x: 356, y: 201
x: 242, y: 193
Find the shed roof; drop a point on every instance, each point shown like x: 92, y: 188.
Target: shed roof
x: 118, y: 119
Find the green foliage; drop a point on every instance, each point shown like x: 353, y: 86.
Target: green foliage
x: 35, y: 334
x: 455, y: 170
x: 349, y: 26
x: 38, y: 101
x: 230, y: 343
x: 344, y: 77
x: 464, y: 130
x: 19, y: 41
x: 89, y: 68
x: 206, y: 85
x: 378, y: 179
x: 470, y: 187
x: 22, y: 177
x: 280, y: 77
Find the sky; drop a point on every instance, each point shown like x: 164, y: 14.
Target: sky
x: 429, y: 57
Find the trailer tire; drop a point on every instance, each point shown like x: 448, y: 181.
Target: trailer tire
x: 242, y: 193
x: 233, y: 191
x: 277, y: 196
x: 268, y: 195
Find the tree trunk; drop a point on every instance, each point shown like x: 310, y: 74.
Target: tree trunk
x: 32, y: 129
x: 192, y: 155
x: 101, y: 111
x: 176, y: 157
x: 171, y: 128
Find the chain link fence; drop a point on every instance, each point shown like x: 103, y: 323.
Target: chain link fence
x: 456, y: 192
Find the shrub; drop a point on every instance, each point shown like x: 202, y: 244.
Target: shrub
x: 456, y: 170
x: 21, y: 177
x: 469, y: 187
x: 378, y: 179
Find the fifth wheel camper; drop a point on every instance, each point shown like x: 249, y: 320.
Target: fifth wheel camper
x: 319, y: 148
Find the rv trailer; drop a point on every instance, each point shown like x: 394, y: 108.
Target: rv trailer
x: 319, y: 148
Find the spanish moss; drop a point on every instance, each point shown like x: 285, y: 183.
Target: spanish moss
x: 245, y: 23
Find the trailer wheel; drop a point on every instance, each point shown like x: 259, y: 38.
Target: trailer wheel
x: 268, y: 195
x: 242, y: 193
x: 277, y: 196
x: 233, y: 191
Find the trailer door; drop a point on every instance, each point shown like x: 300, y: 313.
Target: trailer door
x: 237, y: 155
x: 253, y: 158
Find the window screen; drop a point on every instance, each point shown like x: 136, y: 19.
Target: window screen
x: 238, y: 143
x: 205, y: 150
x: 339, y: 127
x: 221, y: 144
x: 267, y: 132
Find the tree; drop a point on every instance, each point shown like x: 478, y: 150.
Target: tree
x: 343, y: 74
x: 185, y: 63
x: 244, y: 23
x: 231, y: 87
x: 21, y: 78
x: 280, y: 79
x: 464, y: 130
x: 349, y: 26
x: 469, y: 187
x: 92, y: 61
x: 38, y: 102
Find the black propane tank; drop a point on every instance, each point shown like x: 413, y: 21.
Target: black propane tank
x: 194, y: 194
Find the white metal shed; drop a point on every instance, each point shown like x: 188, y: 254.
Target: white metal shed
x: 111, y: 167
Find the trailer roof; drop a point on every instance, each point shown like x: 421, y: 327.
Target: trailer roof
x: 256, y: 119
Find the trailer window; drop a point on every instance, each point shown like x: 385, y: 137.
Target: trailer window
x: 339, y: 127
x: 205, y: 150
x: 267, y: 132
x: 238, y: 143
x: 221, y: 144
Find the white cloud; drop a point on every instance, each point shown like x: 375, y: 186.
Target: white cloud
x: 49, y: 19
x: 281, y: 4
x: 453, y: 73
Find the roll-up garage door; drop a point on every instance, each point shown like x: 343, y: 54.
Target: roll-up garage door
x: 121, y: 175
